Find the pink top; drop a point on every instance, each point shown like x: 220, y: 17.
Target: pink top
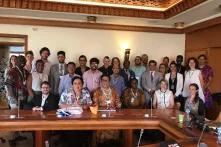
x: 92, y: 79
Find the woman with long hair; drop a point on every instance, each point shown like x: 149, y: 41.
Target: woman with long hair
x: 193, y: 75
x: 194, y: 103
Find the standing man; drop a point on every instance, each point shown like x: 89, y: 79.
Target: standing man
x: 92, y: 76
x: 150, y: 81
x: 127, y: 73
x: 44, y: 53
x: 65, y: 81
x: 180, y: 68
x: 83, y: 65
x: 145, y: 60
x: 138, y: 69
x: 56, y: 71
x: 106, y: 68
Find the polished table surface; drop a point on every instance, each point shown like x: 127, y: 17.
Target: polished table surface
x: 124, y: 119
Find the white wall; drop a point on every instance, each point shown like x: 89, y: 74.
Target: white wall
x: 98, y: 43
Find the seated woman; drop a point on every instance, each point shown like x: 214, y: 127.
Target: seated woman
x: 194, y: 103
x: 106, y: 97
x: 133, y: 97
x: 163, y: 98
x: 76, y: 96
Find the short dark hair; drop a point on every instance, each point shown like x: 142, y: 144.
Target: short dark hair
x: 45, y: 83
x: 179, y: 56
x: 106, y: 75
x: 29, y: 53
x: 106, y: 57
x: 188, y: 61
x: 39, y: 61
x: 202, y: 55
x: 60, y: 53
x: 21, y: 58
x: 45, y: 49
x: 82, y: 56
x: 166, y: 58
x: 94, y: 60
x: 138, y: 57
x: 77, y: 77
x: 69, y: 63
x: 133, y: 79
x: 126, y: 61
x: 153, y: 61
x: 173, y: 63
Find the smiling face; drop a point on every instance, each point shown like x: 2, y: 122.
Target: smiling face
x: 133, y: 84
x: 173, y: 68
x: 105, y: 82
x: 71, y: 69
x: 77, y: 85
x: 29, y: 58
x: 40, y: 67
x: 61, y: 58
x: 202, y: 61
x: 163, y: 85
x: 192, y: 64
x: 13, y: 61
x: 116, y: 70
x: 45, y: 88
x: 44, y: 55
x: 82, y: 61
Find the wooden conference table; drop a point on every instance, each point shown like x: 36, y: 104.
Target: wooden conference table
x: 125, y: 119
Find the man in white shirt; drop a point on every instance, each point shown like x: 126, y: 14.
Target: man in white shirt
x: 44, y: 53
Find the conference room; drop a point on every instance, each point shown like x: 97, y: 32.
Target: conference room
x: 95, y: 73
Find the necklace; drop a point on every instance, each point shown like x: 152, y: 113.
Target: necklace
x: 191, y: 72
x: 107, y: 95
x: 134, y: 95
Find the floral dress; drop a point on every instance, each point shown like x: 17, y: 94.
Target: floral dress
x: 207, y: 72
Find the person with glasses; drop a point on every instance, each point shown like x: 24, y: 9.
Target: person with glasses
x: 83, y: 65
x: 92, y: 76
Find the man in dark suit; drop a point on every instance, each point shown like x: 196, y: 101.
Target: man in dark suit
x: 57, y: 70
x: 45, y: 101
x: 127, y: 73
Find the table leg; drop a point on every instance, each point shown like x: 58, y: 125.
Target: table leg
x: 128, y: 138
x: 39, y: 138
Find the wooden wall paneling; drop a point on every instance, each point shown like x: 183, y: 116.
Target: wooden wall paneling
x: 215, y: 63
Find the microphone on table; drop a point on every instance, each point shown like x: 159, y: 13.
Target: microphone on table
x: 141, y: 133
x: 202, y: 144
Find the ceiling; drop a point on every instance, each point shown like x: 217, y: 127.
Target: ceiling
x: 158, y: 5
x: 204, y: 10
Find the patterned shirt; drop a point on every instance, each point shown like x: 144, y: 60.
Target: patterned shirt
x: 69, y: 97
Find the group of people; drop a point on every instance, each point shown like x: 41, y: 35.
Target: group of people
x: 39, y: 85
